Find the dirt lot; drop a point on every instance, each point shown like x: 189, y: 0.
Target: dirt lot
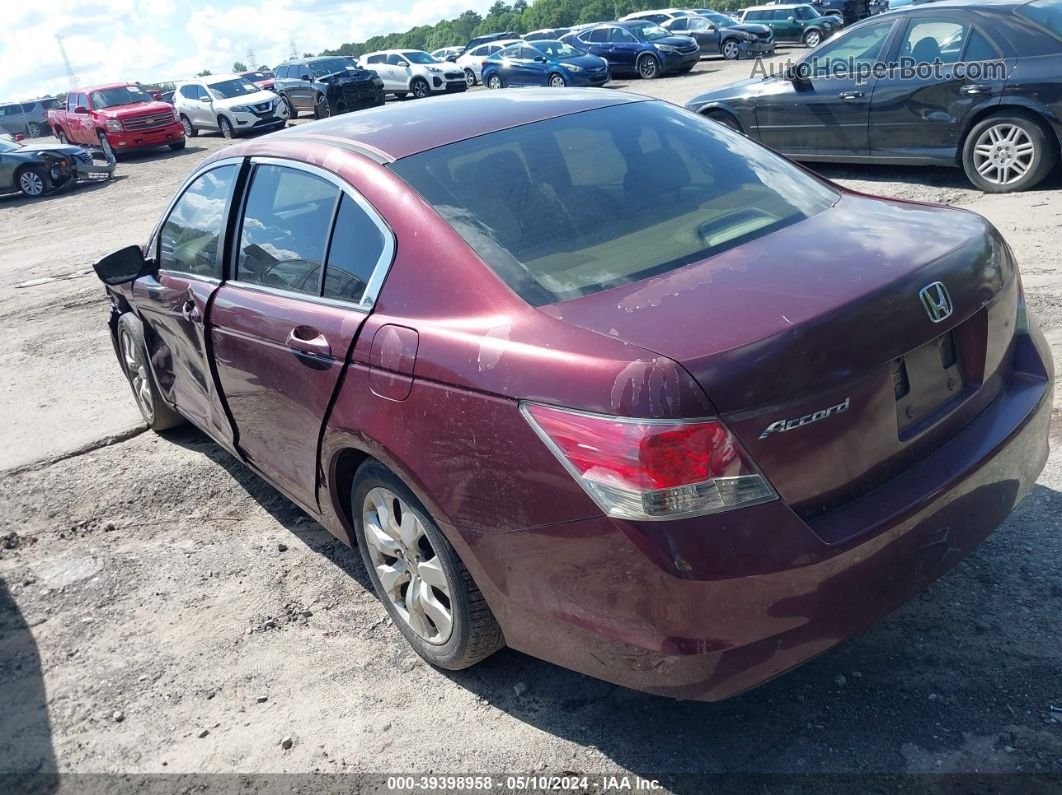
x: 164, y: 610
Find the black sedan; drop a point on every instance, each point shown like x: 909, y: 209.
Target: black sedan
x: 39, y: 169
x: 718, y: 33
x: 945, y: 84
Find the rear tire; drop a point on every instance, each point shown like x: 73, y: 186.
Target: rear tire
x: 470, y: 78
x: 648, y: 67
x: 133, y: 354
x: 382, y: 502
x: 1008, y: 151
x: 34, y: 130
x: 190, y: 129
x: 495, y: 82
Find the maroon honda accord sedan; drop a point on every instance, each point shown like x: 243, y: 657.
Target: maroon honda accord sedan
x: 595, y: 378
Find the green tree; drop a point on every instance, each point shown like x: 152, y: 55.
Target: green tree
x: 239, y: 66
x: 204, y: 73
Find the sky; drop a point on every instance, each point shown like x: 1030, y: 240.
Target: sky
x: 152, y: 40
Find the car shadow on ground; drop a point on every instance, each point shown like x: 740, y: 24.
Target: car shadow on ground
x: 27, y: 759
x: 18, y: 200
x: 161, y: 153
x: 912, y: 688
x: 284, y: 511
x: 932, y: 176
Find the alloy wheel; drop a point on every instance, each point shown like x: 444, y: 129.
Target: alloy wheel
x: 135, y: 367
x: 409, y: 570
x: 812, y: 39
x: 470, y: 78
x: 556, y: 81
x: 226, y: 127
x: 34, y: 130
x: 186, y: 122
x: 31, y: 183
x: 1004, y: 153
x: 731, y: 50
x: 648, y: 67
x: 494, y: 82
x: 420, y: 89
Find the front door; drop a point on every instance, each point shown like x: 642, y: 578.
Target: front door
x: 825, y: 109
x: 917, y: 117
x: 282, y: 331
x: 625, y: 49
x: 175, y: 304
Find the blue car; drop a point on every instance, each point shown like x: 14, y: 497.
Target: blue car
x: 543, y: 63
x: 639, y: 47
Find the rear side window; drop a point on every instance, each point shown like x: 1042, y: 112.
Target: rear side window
x: 191, y: 235
x: 573, y: 205
x: 978, y: 48
x: 598, y: 35
x: 1046, y: 13
x: 932, y: 40
x: 285, y: 229
x: 356, y: 248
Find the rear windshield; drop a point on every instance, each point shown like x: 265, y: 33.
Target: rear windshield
x: 1047, y: 13
x: 577, y: 204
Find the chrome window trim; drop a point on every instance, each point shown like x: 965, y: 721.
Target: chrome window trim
x: 383, y: 263
x: 316, y: 299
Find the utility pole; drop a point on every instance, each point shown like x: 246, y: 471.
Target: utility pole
x: 252, y: 62
x: 74, y: 84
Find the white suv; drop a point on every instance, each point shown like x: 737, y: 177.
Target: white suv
x: 413, y: 72
x: 471, y: 61
x: 230, y: 104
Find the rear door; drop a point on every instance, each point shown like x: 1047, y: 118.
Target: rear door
x: 282, y: 330
x: 918, y: 116
x: 174, y: 304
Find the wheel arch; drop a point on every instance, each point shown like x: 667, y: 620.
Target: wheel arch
x: 1043, y: 116
x: 717, y: 108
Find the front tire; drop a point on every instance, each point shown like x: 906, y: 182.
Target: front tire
x: 177, y: 146
x: 108, y: 150
x: 292, y: 113
x: 421, y: 581
x: 33, y: 182
x: 556, y: 81
x: 190, y: 129
x: 321, y: 108
x: 62, y: 137
x: 134, y: 357
x: 725, y: 119
x: 648, y: 67
x: 225, y: 127
x: 812, y: 39
x: 731, y: 50
x: 420, y: 88
x: 1008, y: 152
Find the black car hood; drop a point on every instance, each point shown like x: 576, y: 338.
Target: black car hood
x: 63, y: 149
x: 347, y: 74
x: 749, y: 27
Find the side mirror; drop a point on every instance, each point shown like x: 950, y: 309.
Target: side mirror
x: 790, y: 19
x: 539, y: 59
x: 205, y: 98
x: 123, y: 266
x: 81, y: 109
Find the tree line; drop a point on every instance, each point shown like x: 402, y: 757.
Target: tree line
x: 520, y: 17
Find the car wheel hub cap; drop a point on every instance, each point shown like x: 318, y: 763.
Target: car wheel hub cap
x: 410, y: 572
x: 1004, y: 154
x: 138, y: 375
x: 32, y: 184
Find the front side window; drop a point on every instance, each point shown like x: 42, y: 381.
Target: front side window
x: 416, y: 56
x: 556, y: 49
x: 623, y: 36
x: 648, y: 31
x: 859, y: 46
x: 191, y: 236
x: 806, y: 12
x: 570, y: 206
x: 285, y: 229
x: 510, y: 52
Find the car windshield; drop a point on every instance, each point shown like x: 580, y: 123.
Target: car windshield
x: 123, y: 95
x: 577, y: 204
x: 721, y: 19
x: 1047, y: 13
x: 329, y: 66
x: 8, y: 146
x: 416, y: 56
x: 805, y: 12
x: 556, y: 49
x: 648, y: 31
x: 237, y: 87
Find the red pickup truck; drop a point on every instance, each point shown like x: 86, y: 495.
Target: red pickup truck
x: 118, y: 118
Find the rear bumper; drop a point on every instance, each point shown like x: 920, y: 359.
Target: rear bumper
x: 707, y: 608
x: 145, y: 139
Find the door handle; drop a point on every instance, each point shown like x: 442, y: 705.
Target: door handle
x: 307, y: 339
x: 190, y: 311
x: 976, y: 89
x: 850, y: 96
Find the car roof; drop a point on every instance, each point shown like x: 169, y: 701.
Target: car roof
x: 394, y: 131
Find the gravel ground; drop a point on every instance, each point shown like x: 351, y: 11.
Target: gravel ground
x: 164, y: 610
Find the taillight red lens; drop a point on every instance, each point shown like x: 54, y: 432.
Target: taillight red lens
x: 650, y: 469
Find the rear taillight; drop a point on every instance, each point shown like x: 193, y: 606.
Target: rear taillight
x: 650, y: 469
